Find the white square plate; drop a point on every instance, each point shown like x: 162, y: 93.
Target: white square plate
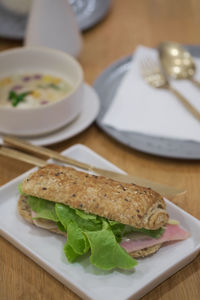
x: 46, y: 248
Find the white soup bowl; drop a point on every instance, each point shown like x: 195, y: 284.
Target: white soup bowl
x: 45, y: 118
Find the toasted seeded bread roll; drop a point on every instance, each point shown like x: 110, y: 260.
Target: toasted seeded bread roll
x: 146, y: 251
x: 24, y: 209
x: 126, y: 203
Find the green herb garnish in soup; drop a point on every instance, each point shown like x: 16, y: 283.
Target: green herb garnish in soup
x: 17, y: 98
x: 32, y: 90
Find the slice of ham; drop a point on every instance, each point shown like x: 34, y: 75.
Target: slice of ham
x: 172, y: 233
x: 43, y: 223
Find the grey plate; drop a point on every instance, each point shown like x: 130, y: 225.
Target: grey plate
x: 106, y: 85
x: 88, y: 14
x: 11, y: 26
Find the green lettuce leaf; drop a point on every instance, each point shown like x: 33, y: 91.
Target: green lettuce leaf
x: 61, y: 227
x: 70, y: 253
x: 85, y: 215
x: 77, y: 243
x: 75, y: 237
x: 117, y: 229
x: 106, y: 253
x: 89, y: 232
x: 80, y: 239
x: 121, y: 230
x: 20, y: 189
x: 67, y: 214
x: 45, y: 209
x: 152, y: 233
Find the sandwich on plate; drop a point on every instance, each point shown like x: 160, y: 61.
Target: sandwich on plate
x: 115, y: 222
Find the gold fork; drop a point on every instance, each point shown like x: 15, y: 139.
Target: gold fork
x: 154, y: 76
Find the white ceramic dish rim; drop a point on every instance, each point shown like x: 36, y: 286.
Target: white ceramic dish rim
x: 44, y: 50
x: 104, y: 285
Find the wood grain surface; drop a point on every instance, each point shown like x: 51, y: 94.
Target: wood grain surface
x: 128, y: 24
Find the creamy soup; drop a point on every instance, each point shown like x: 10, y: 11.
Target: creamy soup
x: 32, y: 90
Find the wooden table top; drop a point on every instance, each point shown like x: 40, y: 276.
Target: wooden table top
x: 128, y: 24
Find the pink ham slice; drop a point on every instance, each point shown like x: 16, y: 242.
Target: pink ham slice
x: 172, y: 233
x: 43, y: 223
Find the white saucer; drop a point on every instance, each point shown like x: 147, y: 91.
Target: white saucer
x: 88, y: 114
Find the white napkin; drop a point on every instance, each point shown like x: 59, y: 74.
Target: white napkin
x: 141, y: 108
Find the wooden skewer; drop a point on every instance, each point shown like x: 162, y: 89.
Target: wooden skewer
x: 165, y: 191
x: 22, y: 156
x: 23, y: 145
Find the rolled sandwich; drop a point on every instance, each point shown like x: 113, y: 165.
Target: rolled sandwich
x: 113, y: 221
